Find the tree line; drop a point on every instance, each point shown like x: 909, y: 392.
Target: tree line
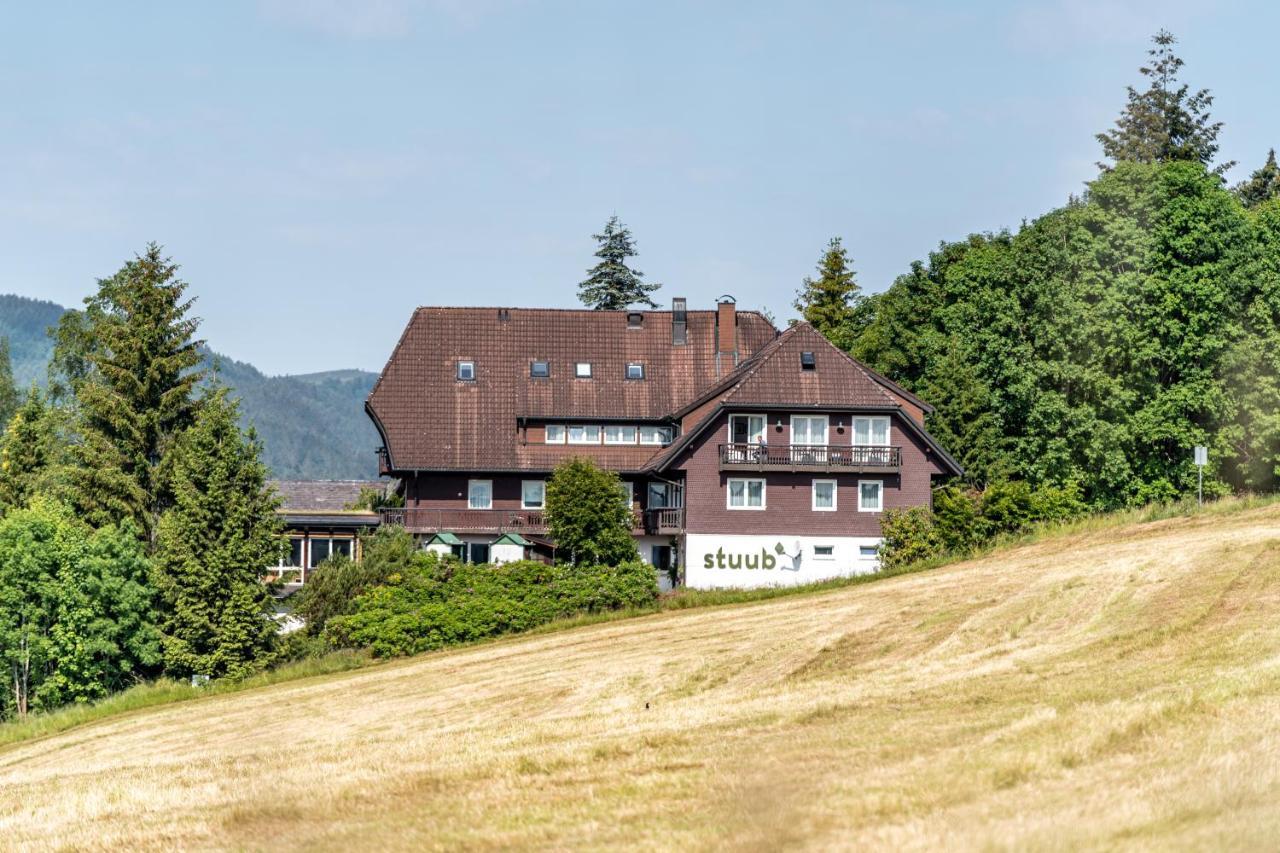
x: 135, y: 514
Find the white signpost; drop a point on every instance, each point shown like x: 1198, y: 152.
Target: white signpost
x: 1201, y: 459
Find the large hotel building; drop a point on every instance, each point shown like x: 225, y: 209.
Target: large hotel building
x: 750, y: 456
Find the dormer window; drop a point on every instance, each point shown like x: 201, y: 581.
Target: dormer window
x: 466, y: 371
x: 635, y: 370
x: 582, y: 370
x: 635, y: 320
x: 539, y: 369
x: 807, y: 361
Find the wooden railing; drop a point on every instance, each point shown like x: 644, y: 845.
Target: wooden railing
x: 810, y: 456
x: 432, y: 520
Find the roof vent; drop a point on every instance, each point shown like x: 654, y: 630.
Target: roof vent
x: 635, y: 320
x: 679, y: 321
x: 807, y: 361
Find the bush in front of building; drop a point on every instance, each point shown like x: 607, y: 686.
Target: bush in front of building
x: 437, y: 601
x: 588, y: 514
x: 333, y: 587
x: 963, y: 520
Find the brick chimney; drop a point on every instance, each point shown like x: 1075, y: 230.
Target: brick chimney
x: 726, y: 335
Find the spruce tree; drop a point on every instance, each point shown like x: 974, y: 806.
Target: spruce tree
x: 130, y: 360
x: 212, y: 546
x: 833, y: 302
x: 32, y: 453
x: 1263, y: 185
x: 1166, y: 121
x: 611, y: 285
x: 8, y: 390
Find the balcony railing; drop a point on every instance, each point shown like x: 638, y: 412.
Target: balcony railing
x: 498, y: 521
x: 809, y: 457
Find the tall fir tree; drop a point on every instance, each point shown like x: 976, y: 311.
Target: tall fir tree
x: 611, y: 285
x: 130, y: 360
x: 212, y: 546
x: 1167, y: 121
x: 833, y: 302
x: 1263, y: 185
x: 9, y: 398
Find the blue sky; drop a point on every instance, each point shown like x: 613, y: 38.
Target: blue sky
x: 320, y: 167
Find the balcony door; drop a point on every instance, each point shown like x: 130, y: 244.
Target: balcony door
x: 809, y: 438
x: 871, y: 441
x: 745, y: 433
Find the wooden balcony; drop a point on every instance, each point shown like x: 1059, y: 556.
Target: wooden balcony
x: 654, y: 522
x: 810, y: 457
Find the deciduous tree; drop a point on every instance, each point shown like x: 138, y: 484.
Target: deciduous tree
x: 588, y: 515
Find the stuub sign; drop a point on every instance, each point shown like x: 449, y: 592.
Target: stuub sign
x: 765, y: 559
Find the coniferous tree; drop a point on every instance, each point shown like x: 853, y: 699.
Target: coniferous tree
x: 833, y: 302
x: 212, y: 546
x: 8, y: 390
x: 32, y: 453
x: 1263, y: 185
x: 130, y: 360
x: 611, y: 285
x: 1166, y: 121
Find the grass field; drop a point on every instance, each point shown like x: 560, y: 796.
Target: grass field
x: 1113, y: 687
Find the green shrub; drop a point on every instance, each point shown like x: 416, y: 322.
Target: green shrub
x: 908, y: 536
x: 333, y: 586
x: 437, y: 602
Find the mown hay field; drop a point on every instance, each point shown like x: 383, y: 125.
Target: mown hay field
x: 1108, y: 689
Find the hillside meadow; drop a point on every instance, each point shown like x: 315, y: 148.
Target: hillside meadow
x: 1109, y: 687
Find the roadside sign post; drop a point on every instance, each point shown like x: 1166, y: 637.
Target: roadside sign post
x: 1201, y: 459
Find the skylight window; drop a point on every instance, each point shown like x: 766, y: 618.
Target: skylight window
x: 466, y: 371
x: 539, y: 369
x: 582, y: 370
x: 635, y: 370
x: 635, y: 320
x: 807, y: 361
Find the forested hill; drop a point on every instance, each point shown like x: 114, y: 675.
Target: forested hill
x: 312, y: 426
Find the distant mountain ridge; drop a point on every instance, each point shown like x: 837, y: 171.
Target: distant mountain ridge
x: 312, y: 426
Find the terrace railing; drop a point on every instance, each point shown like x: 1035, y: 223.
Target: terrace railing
x: 809, y: 457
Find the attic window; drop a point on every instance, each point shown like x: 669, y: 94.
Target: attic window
x: 539, y: 369
x: 635, y: 370
x: 466, y: 371
x: 582, y: 370
x: 635, y: 320
x: 807, y: 361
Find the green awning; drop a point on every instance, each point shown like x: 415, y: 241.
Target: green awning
x: 444, y: 539
x: 512, y: 539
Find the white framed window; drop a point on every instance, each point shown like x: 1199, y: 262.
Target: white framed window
x: 533, y: 494
x: 635, y: 370
x: 870, y: 495
x: 619, y: 435
x: 628, y: 491
x: 655, y: 435
x: 292, y: 560
x: 480, y: 494
x: 466, y: 371
x: 871, y: 432
x: 746, y: 493
x: 824, y: 552
x: 321, y: 548
x: 555, y: 434
x: 746, y: 429
x: 809, y: 429
x: 539, y: 369
x: 868, y: 552
x: 582, y: 370
x: 584, y: 434
x: 824, y: 495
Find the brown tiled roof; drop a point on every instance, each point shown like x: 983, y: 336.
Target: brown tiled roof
x: 321, y: 495
x: 432, y: 421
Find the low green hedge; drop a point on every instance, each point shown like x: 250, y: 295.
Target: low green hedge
x: 437, y: 602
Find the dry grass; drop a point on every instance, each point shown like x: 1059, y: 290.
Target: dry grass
x: 1115, y: 688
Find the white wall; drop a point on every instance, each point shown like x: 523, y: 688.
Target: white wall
x: 706, y: 553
